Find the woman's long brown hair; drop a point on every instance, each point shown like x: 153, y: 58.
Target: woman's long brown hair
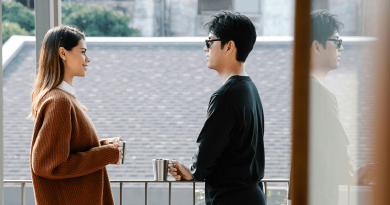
x: 51, y: 68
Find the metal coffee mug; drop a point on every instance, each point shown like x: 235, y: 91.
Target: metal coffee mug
x: 160, y: 169
x: 123, y: 143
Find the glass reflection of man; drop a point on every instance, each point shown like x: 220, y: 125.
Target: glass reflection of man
x: 230, y: 154
x: 330, y: 162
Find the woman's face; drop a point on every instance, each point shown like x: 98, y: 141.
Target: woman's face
x: 76, y: 60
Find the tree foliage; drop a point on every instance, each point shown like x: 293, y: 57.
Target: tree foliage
x: 97, y: 20
x: 17, y: 13
x: 94, y: 20
x: 10, y: 28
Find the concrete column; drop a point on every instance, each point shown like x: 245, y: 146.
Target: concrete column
x: 144, y: 17
x: 47, y: 16
x: 319, y: 4
x: 349, y: 13
x: 278, y: 17
x: 150, y: 17
x: 182, y: 17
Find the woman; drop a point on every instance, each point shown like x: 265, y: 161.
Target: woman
x: 67, y: 161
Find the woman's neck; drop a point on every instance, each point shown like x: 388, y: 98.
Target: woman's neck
x: 68, y: 80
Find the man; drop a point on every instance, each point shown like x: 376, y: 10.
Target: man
x: 330, y: 162
x: 230, y: 154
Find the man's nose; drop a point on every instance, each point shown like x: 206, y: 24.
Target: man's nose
x: 341, y: 48
x: 205, y: 49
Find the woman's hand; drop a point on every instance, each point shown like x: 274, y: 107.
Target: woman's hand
x: 115, y: 139
x: 120, y: 153
x: 118, y: 139
x: 105, y: 141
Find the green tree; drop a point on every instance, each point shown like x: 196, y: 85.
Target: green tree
x: 10, y: 28
x: 17, y: 13
x: 94, y: 20
x: 68, y: 9
x: 97, y: 20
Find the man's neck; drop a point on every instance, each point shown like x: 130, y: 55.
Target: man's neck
x: 226, y: 73
x: 319, y: 73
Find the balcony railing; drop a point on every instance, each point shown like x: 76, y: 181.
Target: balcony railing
x: 146, y: 182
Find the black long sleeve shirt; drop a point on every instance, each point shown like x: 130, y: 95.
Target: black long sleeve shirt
x: 230, y: 154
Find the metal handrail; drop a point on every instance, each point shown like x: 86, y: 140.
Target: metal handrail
x: 146, y: 182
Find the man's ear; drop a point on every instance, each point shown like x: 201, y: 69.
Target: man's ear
x: 230, y: 47
x: 316, y: 47
x: 62, y: 53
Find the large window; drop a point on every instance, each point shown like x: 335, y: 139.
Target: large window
x: 154, y: 92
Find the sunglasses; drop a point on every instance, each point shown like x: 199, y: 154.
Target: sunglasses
x: 208, y: 42
x: 338, y: 43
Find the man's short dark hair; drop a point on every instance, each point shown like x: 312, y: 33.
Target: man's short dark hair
x: 324, y: 25
x: 230, y: 26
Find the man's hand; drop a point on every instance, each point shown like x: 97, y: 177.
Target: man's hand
x: 180, y: 171
x: 364, y: 174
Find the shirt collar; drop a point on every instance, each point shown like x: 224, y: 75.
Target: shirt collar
x: 316, y: 78
x: 66, y: 87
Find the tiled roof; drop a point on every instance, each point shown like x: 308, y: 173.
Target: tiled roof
x: 156, y: 97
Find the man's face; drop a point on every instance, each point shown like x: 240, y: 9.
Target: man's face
x: 214, y: 53
x: 331, y: 55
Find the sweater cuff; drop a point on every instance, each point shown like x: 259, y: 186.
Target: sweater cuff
x: 114, y: 152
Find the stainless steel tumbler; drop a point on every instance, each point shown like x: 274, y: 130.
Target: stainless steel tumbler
x: 160, y: 169
x: 123, y: 143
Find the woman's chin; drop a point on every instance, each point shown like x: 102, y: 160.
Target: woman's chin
x: 84, y: 72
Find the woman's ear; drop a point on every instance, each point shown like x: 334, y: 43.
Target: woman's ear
x: 62, y: 53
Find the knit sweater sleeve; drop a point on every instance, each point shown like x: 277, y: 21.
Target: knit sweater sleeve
x: 51, y: 156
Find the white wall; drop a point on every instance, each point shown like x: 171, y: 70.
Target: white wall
x: 143, y: 18
x: 278, y: 17
x: 182, y: 17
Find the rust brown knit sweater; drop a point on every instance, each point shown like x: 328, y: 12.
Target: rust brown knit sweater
x: 67, y: 161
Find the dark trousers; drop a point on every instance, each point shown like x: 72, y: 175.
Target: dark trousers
x: 246, y: 196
